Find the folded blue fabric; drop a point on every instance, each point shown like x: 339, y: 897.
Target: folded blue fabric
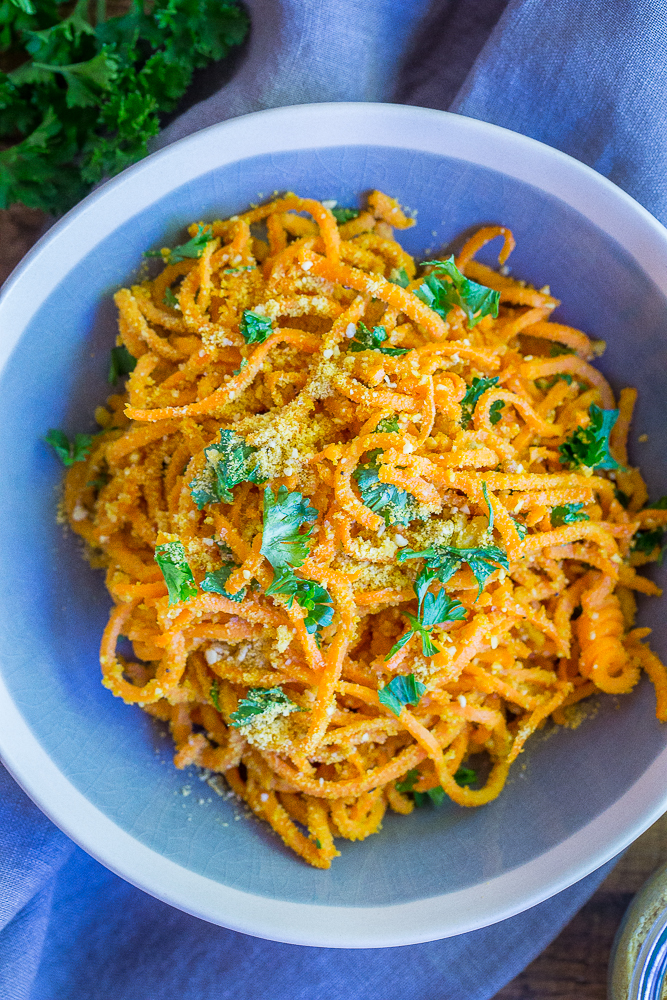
x: 71, y: 930
x: 587, y: 77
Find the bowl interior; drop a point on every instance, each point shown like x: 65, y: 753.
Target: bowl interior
x: 53, y: 606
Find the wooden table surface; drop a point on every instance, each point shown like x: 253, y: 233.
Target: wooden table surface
x: 574, y: 966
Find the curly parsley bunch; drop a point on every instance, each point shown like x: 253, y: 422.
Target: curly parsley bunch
x: 79, y: 101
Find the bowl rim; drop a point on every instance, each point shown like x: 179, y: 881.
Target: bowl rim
x: 322, y: 126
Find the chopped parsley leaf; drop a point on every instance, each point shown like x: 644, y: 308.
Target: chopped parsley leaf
x: 434, y: 609
x: 407, y: 783
x: 394, y: 504
x: 622, y: 497
x: 568, y: 513
x: 444, y: 560
x: 476, y: 389
x: 342, y: 214
x: 519, y: 527
x: 434, y: 796
x: 68, y: 451
x: 399, y: 276
x: 311, y: 596
x: 465, y: 776
x: 372, y: 340
x: 647, y: 541
x: 388, y: 425
x: 121, y: 363
x: 401, y: 690
x: 214, y: 693
x: 558, y: 349
x: 177, y: 574
x: 494, y: 410
x: 589, y: 446
x: 214, y: 583
x: 193, y: 249
x: 171, y: 300
x: 255, y: 329
x: 476, y: 300
x: 270, y: 702
x: 227, y: 464
x: 660, y: 504
x: 285, y: 514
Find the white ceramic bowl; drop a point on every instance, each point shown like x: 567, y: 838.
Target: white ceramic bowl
x: 100, y: 769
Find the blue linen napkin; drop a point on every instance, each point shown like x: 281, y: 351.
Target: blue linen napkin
x: 586, y: 76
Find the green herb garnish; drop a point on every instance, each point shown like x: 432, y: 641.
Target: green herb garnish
x: 568, y: 513
x: 465, y: 776
x: 68, y: 451
x: 170, y: 299
x: 434, y: 796
x: 558, y: 349
x: 407, y: 783
x: 193, y: 249
x: 285, y: 513
x: 311, y: 596
x: 227, y: 464
x: 268, y: 702
x: 476, y: 300
x: 372, y: 340
x: 589, y: 446
x: 85, y: 99
x: 388, y: 425
x: 121, y: 363
x: 342, y: 214
x: 444, y: 560
x: 494, y: 410
x: 399, y: 276
x: 476, y: 389
x: 394, y: 504
x: 255, y: 329
x: 214, y: 583
x: 176, y: 571
x: 214, y: 693
x: 401, y: 691
x: 433, y: 609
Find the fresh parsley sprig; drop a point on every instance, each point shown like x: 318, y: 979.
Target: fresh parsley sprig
x: 399, y: 276
x: 475, y: 390
x: 400, y: 691
x: 191, y: 250
x: 214, y: 583
x: 255, y: 329
x: 589, y: 446
x: 433, y: 609
x: 310, y: 595
x: 342, y: 214
x: 121, y: 363
x: 68, y: 451
x: 84, y: 99
x: 227, y: 464
x: 434, y: 796
x: 372, y: 340
x: 445, y: 560
x: 394, y: 504
x: 265, y: 703
x: 567, y: 513
x: 285, y: 514
x: 172, y: 560
x: 476, y: 300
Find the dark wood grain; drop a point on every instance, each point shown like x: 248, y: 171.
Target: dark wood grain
x: 574, y: 966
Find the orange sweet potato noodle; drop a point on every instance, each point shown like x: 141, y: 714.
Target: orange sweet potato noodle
x: 382, y: 558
